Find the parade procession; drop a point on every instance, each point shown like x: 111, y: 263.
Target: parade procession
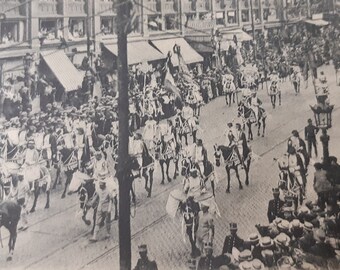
x: 169, y: 134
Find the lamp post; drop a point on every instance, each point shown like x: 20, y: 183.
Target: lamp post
x: 323, y: 120
x: 27, y: 61
x: 216, y: 39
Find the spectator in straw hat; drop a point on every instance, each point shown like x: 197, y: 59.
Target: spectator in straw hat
x: 296, y: 230
x: 282, y: 242
x: 307, y: 240
x: 321, y: 248
x: 253, y: 245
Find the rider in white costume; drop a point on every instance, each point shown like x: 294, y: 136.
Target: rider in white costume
x: 31, y: 163
x: 149, y: 132
x: 255, y: 104
x: 192, y: 184
x: 80, y: 144
x: 199, y: 154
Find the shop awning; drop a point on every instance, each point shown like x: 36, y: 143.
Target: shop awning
x: 138, y: 52
x: 63, y: 69
x: 239, y: 33
x: 189, y: 54
x: 319, y: 22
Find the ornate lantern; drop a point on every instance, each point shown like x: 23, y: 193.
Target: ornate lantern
x: 323, y: 115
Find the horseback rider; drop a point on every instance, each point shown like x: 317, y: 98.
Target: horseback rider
x: 137, y: 149
x: 229, y: 134
x: 192, y: 186
x: 199, y: 155
x: 80, y: 144
x: 31, y: 163
x: 240, y: 141
x: 149, y: 132
x: 255, y: 105
x: 20, y: 193
x: 322, y: 78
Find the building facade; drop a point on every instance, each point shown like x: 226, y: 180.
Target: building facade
x: 75, y: 26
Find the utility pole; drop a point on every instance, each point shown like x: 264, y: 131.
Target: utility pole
x: 88, y: 26
x: 123, y: 15
x: 253, y: 27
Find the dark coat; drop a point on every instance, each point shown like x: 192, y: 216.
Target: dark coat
x: 230, y: 242
x: 146, y: 265
x: 274, y: 209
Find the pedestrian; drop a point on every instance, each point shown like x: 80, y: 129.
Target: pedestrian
x: 20, y: 193
x: 206, y: 227
x: 232, y: 240
x: 275, y: 206
x: 144, y: 263
x: 105, y: 199
x: 310, y: 132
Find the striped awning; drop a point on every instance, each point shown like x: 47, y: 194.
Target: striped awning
x: 63, y: 69
x: 189, y: 54
x: 138, y: 52
x: 319, y: 22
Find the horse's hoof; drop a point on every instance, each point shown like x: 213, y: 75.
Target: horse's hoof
x: 87, y: 222
x: 227, y: 191
x: 162, y: 183
x: 247, y: 183
x: 262, y: 135
x: 69, y: 193
x: 32, y: 210
x: 169, y: 179
x: 9, y: 258
x: 149, y: 195
x: 63, y: 196
x: 241, y: 187
x: 47, y: 206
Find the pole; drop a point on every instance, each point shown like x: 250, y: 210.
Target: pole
x: 88, y: 25
x: 123, y: 159
x: 324, y: 138
x: 253, y: 27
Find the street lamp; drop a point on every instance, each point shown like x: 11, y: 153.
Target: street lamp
x: 27, y: 61
x: 216, y: 40
x: 323, y: 120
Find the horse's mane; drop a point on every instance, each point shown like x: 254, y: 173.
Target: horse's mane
x: 225, y: 150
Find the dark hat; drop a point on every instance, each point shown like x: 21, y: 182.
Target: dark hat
x: 142, y: 248
x: 233, y: 226
x: 208, y: 245
x: 295, y: 132
x: 310, y: 120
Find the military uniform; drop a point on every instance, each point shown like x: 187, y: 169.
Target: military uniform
x: 146, y: 265
x: 274, y: 209
x: 230, y: 242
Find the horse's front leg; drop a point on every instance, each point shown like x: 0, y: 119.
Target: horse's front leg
x: 68, y: 181
x: 238, y: 177
x: 57, y: 177
x: 115, y: 203
x: 146, y: 178
x: 85, y: 210
x: 133, y: 195
x: 258, y: 127
x: 151, y: 182
x: 228, y: 179
x: 247, y: 169
x: 36, y: 195
x: 11, y: 242
x: 167, y: 169
x: 175, y: 160
x: 94, y: 220
x: 161, y: 162
x: 250, y: 131
x: 47, y: 199
x: 263, y: 126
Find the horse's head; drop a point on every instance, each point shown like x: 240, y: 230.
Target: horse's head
x: 217, y: 155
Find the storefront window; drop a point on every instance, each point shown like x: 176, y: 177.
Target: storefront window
x: 171, y: 22
x: 231, y: 17
x: 76, y: 28
x: 154, y: 23
x: 245, y: 15
x: 108, y: 26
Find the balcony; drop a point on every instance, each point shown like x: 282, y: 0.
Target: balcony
x: 152, y: 7
x: 75, y: 7
x: 48, y: 7
x: 202, y: 5
x: 12, y: 8
x: 170, y: 6
x: 188, y: 7
x: 105, y: 8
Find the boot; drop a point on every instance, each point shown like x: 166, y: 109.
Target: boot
x: 95, y: 233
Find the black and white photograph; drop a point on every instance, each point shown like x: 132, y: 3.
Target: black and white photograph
x: 169, y: 134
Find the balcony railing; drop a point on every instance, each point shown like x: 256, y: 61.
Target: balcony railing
x: 152, y: 7
x: 188, y: 7
x: 105, y: 7
x: 76, y: 7
x: 202, y: 5
x: 10, y: 7
x: 48, y: 7
x: 170, y: 6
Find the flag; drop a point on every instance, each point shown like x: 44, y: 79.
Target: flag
x: 169, y: 84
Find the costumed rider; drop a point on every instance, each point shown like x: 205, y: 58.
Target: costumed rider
x: 31, y: 164
x: 20, y: 193
x: 199, y: 155
x: 229, y: 134
x: 80, y: 144
x: 255, y: 105
x: 322, y: 78
x: 193, y: 184
x: 240, y: 141
x: 137, y: 149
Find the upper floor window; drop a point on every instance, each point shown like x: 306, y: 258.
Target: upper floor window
x: 154, y: 23
x: 76, y: 28
x: 171, y: 22
x: 10, y: 32
x: 108, y: 26
x: 231, y: 17
x: 220, y: 18
x: 245, y: 15
x: 50, y: 30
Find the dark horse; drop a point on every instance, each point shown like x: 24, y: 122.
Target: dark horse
x: 249, y: 116
x: 43, y: 183
x: 190, y: 210
x: 9, y: 218
x: 232, y: 159
x: 165, y: 152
